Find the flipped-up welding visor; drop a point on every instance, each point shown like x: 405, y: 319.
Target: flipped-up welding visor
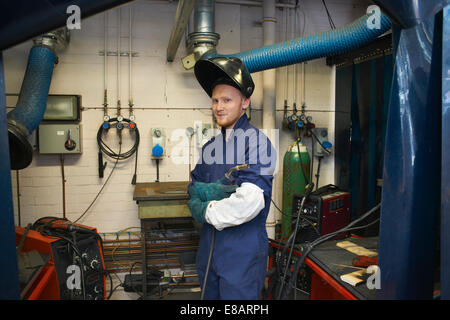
x: 223, y: 70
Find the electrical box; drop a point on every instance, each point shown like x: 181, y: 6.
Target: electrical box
x: 63, y: 107
x: 60, y: 138
x: 322, y: 136
x: 203, y: 133
x: 158, y: 142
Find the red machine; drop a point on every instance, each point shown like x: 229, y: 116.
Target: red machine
x: 60, y: 260
x: 325, y: 211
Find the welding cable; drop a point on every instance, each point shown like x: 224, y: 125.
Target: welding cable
x: 101, y: 189
x: 270, y: 288
x: 111, y: 153
x: 205, y: 278
x: 307, y: 179
x: 132, y: 282
x: 309, y: 189
x: 120, y: 156
x: 280, y: 257
x: 322, y: 239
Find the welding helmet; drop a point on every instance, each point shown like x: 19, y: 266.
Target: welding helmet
x: 223, y: 70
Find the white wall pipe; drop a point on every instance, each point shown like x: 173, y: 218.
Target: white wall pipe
x: 118, y: 59
x: 269, y: 99
x: 130, y: 55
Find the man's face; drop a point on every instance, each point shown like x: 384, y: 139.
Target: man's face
x: 228, y: 105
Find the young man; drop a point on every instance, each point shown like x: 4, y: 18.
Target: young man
x: 234, y: 215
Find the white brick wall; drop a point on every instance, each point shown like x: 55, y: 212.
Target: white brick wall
x: 165, y: 95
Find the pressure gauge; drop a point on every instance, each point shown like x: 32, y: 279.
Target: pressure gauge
x: 132, y: 117
x: 119, y: 118
x: 106, y: 118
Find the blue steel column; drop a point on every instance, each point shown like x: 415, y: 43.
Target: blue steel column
x: 445, y: 178
x: 411, y: 177
x: 9, y: 275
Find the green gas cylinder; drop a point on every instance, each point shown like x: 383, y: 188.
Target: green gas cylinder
x: 294, y: 180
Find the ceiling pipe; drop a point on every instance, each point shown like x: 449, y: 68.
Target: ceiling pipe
x: 203, y: 40
x: 182, y: 15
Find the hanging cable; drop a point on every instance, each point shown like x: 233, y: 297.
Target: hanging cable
x: 63, y: 185
x: 108, y: 150
x: 101, y: 189
x: 330, y: 20
x: 18, y: 198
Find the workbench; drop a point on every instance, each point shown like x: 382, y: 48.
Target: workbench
x: 328, y: 263
x: 162, y: 205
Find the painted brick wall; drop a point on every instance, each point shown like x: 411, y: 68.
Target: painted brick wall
x: 165, y: 95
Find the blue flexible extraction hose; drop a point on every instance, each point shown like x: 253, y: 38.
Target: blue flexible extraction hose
x: 32, y: 101
x: 31, y: 105
x: 352, y: 36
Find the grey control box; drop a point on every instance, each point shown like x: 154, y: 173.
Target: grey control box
x: 60, y: 138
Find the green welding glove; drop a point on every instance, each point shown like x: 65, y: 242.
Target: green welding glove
x: 212, y: 191
x: 198, y: 209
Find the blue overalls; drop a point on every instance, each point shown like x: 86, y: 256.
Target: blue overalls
x: 239, y: 260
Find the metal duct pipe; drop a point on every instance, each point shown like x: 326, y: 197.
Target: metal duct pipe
x: 203, y: 40
x: 204, y: 16
x: 32, y: 101
x: 313, y: 46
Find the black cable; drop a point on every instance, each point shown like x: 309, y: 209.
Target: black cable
x: 318, y: 173
x: 205, y: 278
x: 330, y: 20
x: 112, y: 154
x: 101, y: 189
x: 307, y: 180
x: 322, y: 239
x: 131, y: 279
x: 307, y: 194
x: 273, y: 282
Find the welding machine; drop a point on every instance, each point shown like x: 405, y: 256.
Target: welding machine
x: 325, y: 210
x: 60, y: 260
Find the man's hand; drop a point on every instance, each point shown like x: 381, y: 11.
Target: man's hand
x: 198, y: 209
x: 211, y: 191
